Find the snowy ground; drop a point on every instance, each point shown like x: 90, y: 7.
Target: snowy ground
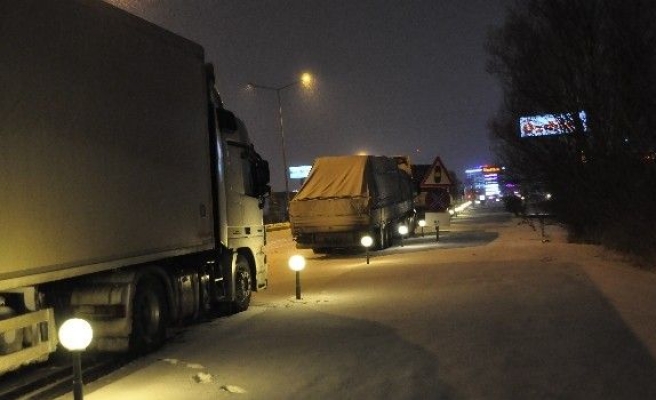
x: 489, y: 312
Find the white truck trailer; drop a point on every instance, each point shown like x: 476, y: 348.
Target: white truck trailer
x: 128, y: 195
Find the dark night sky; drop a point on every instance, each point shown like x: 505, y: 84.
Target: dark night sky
x: 393, y: 77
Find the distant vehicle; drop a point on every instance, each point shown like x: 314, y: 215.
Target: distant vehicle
x: 347, y: 197
x: 128, y: 195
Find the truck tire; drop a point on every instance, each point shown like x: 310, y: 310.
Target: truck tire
x: 149, y: 317
x: 243, y: 286
x: 381, y: 238
x: 389, y: 235
x: 411, y: 223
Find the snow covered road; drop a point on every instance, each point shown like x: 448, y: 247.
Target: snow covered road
x: 489, y: 312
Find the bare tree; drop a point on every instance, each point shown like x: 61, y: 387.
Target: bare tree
x: 565, y: 56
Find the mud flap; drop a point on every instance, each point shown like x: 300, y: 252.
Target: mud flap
x: 224, y: 281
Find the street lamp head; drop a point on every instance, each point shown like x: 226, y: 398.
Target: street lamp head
x: 75, y: 334
x: 422, y: 223
x: 366, y: 241
x: 403, y: 230
x: 306, y: 79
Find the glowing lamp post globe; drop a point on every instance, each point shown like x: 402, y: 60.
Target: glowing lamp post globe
x: 403, y: 230
x: 422, y: 224
x: 297, y: 264
x: 75, y: 335
x: 367, y: 241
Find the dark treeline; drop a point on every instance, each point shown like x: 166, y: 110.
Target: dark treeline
x: 562, y: 57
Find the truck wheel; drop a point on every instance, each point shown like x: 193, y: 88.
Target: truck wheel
x: 412, y: 226
x: 389, y: 235
x: 243, y: 286
x: 149, y: 317
x: 381, y: 238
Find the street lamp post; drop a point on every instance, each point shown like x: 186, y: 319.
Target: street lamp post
x: 367, y: 241
x: 403, y: 230
x: 305, y: 80
x: 76, y: 334
x: 297, y: 264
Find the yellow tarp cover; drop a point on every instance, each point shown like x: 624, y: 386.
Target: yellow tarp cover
x: 343, y: 193
x: 335, y: 177
x: 336, y: 193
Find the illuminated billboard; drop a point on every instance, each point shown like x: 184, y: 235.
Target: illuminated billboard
x: 485, y: 181
x: 549, y: 124
x: 300, y: 172
x: 490, y: 169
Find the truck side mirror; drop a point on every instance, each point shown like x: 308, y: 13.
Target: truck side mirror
x: 260, y: 175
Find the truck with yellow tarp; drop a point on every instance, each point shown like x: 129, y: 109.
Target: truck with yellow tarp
x: 347, y: 197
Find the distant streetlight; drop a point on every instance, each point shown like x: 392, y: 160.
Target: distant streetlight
x: 297, y: 264
x: 403, y: 230
x: 305, y: 80
x: 422, y: 223
x: 75, y: 334
x: 367, y: 241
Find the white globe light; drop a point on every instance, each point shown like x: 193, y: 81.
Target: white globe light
x: 403, y: 229
x: 366, y: 241
x: 75, y: 334
x: 422, y: 223
x: 297, y: 262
